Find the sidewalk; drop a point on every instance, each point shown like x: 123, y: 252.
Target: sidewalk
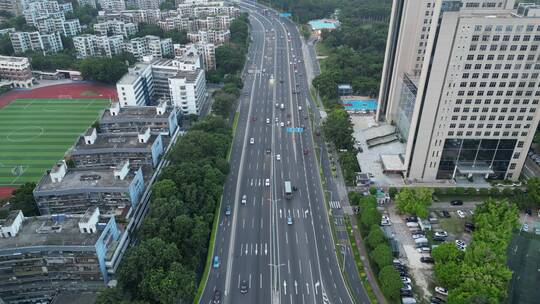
x: 344, y: 199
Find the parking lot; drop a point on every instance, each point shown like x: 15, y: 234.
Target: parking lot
x: 447, y: 222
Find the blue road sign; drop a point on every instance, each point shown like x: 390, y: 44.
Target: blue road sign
x: 295, y: 130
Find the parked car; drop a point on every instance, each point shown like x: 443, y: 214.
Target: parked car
x: 525, y: 227
x: 441, y: 291
x: 441, y: 233
x: 411, y: 219
x: 460, y: 213
x: 469, y: 227
x: 456, y: 203
x: 427, y: 260
x: 417, y: 236
x: 406, y: 293
x: 424, y: 250
x: 406, y: 287
x: 406, y: 280
x: 439, y: 238
x: 397, y: 262
x: 437, y: 300
x: 445, y: 214
x: 412, y: 224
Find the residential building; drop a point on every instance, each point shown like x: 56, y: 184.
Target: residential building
x: 178, y: 22
x: 149, y: 45
x: 34, y: 11
x: 66, y: 190
x: 162, y: 70
x: 161, y: 119
x: 148, y: 4
x: 12, y: 6
x: 112, y: 5
x: 35, y: 41
x: 7, y: 31
x: 93, y: 150
x: 207, y: 52
x: 136, y: 87
x: 217, y: 37
x: 71, y: 27
x: 91, y: 3
x: 17, y: 71
x: 188, y: 91
x: 44, y: 256
x: 460, y: 83
x: 115, y: 27
x: 93, y: 45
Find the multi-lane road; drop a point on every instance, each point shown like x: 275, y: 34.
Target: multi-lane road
x: 274, y: 249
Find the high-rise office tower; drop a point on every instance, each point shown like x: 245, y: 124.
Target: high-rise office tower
x: 460, y: 83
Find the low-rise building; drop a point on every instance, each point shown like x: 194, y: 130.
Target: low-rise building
x: 91, y: 3
x: 161, y: 119
x: 112, y: 5
x: 93, y: 150
x: 136, y: 87
x: 44, y: 256
x: 207, y: 53
x: 17, y: 71
x: 35, y: 41
x: 65, y: 190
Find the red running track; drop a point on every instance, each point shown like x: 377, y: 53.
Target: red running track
x: 75, y: 90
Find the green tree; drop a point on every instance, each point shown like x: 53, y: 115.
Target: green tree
x: 177, y: 36
x: 447, y: 252
x: 448, y: 274
x: 6, y: 48
x: 375, y: 237
x: 149, y: 29
x: 338, y: 129
x: 354, y: 198
x: 167, y: 5
x: 110, y: 296
x: 23, y: 199
x: 369, y: 217
x: 223, y: 104
x: 390, y: 282
x: 414, y: 201
x: 382, y: 255
x: 164, y: 188
x: 106, y: 70
x: 533, y: 192
x: 368, y: 201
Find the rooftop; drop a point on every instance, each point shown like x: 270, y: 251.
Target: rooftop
x: 190, y: 76
x: 87, y: 179
x: 113, y: 141
x: 135, y: 113
x: 133, y: 74
x: 13, y: 59
x: 324, y: 24
x: 44, y: 231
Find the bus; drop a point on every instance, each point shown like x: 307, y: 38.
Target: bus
x: 288, y: 190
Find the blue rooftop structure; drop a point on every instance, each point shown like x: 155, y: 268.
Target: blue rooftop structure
x: 285, y: 14
x: 323, y: 24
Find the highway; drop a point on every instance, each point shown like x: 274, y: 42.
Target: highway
x: 281, y: 249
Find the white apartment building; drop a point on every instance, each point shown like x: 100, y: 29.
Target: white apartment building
x: 12, y: 6
x: 217, y: 37
x: 71, y: 27
x: 178, y: 22
x: 148, y: 4
x: 112, y: 5
x: 91, y: 3
x: 136, y: 87
x: 460, y: 82
x: 115, y: 27
x: 188, y: 91
x: 93, y: 45
x: 17, y: 71
x: 35, y: 41
x: 41, y: 9
x: 207, y: 52
x: 149, y: 45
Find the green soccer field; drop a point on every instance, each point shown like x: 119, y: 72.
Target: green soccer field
x: 35, y: 133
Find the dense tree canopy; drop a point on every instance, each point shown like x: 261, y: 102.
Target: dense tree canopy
x: 338, y: 129
x: 414, y: 201
x: 102, y: 69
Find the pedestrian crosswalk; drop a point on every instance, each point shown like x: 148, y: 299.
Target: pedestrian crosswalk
x: 254, y: 249
x: 335, y: 205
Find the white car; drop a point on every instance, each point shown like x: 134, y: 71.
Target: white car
x: 525, y: 227
x: 418, y: 236
x: 282, y: 124
x: 441, y: 291
x: 267, y: 182
x: 299, y: 108
x: 252, y: 140
x: 385, y: 223
x: 278, y: 157
x: 406, y: 280
x: 244, y: 199
x: 268, y: 120
x: 277, y: 119
x: 441, y: 233
x: 460, y: 213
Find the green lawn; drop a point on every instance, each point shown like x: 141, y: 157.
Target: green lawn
x: 35, y: 133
